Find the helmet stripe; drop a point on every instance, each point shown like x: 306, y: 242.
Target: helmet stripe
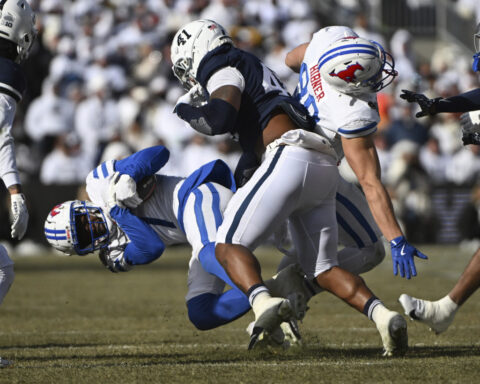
x: 347, y: 46
x: 56, y: 237
x: 320, y: 64
x: 60, y: 231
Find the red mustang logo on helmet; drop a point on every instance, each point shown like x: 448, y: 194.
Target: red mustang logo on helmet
x: 347, y: 74
x: 55, y: 211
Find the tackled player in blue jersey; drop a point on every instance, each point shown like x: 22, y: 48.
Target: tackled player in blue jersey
x: 17, y: 33
x: 230, y: 90
x: 134, y: 214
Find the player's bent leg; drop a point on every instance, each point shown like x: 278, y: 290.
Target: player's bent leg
x: 208, y: 310
x: 353, y: 290
x: 438, y: 315
x: 290, y: 284
x: 361, y: 260
x: 211, y: 265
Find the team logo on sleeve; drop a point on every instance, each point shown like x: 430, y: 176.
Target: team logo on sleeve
x: 348, y: 74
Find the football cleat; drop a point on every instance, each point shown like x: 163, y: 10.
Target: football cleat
x: 273, y: 312
x: 269, y: 340
x: 291, y: 333
x: 427, y: 312
x: 393, y: 331
x: 289, y: 283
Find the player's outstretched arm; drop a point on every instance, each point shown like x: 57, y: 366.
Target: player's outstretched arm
x: 362, y: 156
x: 428, y: 106
x: 465, y: 102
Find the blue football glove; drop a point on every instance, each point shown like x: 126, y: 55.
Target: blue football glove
x: 402, y: 257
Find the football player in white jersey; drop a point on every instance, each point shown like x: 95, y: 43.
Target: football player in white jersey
x: 17, y: 33
x: 340, y: 74
x: 297, y: 179
x: 132, y: 216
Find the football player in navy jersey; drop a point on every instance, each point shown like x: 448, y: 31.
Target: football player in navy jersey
x: 232, y: 91
x: 439, y: 314
x: 17, y: 33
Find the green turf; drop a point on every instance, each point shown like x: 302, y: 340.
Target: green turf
x: 68, y: 320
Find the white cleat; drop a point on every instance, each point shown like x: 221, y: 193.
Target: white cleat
x: 273, y: 312
x: 427, y: 312
x: 289, y: 283
x: 269, y: 340
x: 5, y: 363
x: 393, y: 330
x: 291, y: 333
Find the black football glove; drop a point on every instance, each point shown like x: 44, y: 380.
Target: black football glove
x: 428, y: 106
x: 470, y: 123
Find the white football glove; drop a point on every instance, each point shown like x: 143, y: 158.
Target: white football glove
x: 19, y: 214
x: 194, y: 97
x: 113, y: 259
x: 123, y: 192
x: 470, y: 123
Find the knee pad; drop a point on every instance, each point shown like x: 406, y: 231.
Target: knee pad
x: 375, y: 255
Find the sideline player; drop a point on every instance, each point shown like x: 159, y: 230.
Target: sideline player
x: 296, y: 180
x: 17, y: 33
x: 438, y: 315
x: 129, y: 230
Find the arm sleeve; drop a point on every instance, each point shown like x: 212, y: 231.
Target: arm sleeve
x: 143, y: 163
x: 145, y: 245
x: 214, y: 118
x: 465, y: 102
x: 8, y: 166
x: 226, y: 76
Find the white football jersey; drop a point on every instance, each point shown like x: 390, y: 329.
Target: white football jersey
x: 336, y: 114
x: 158, y: 210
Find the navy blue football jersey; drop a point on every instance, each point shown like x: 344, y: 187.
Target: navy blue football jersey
x: 263, y: 92
x: 12, y: 79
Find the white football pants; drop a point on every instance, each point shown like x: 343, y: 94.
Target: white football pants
x: 292, y: 182
x: 203, y: 214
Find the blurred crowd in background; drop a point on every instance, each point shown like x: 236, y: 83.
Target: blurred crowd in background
x: 100, y: 86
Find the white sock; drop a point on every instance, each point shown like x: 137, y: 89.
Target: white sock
x: 379, y: 312
x: 446, y: 306
x: 259, y: 299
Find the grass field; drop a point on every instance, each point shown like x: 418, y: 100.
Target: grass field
x: 68, y: 320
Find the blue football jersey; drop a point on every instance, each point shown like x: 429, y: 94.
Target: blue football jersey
x: 263, y: 92
x: 12, y: 79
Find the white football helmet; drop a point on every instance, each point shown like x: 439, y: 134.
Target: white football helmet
x: 77, y: 227
x: 17, y: 24
x: 354, y: 65
x: 190, y: 45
